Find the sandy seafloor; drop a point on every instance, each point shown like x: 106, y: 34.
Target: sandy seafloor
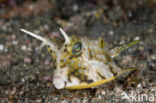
x: 26, y: 67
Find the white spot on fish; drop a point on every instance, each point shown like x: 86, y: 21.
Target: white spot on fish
x: 80, y: 70
x: 79, y: 65
x: 92, y: 53
x: 68, y: 66
x: 72, y: 61
x: 90, y: 47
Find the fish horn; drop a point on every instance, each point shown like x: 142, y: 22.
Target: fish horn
x: 67, y: 39
x: 44, y: 40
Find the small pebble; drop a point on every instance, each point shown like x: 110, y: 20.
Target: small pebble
x: 97, y: 92
x: 129, y: 14
x: 48, y: 84
x: 46, y: 27
x: 75, y: 7
x: 47, y: 78
x: 39, y: 100
x: 37, y: 48
x: 27, y: 60
x: 26, y: 24
x: 103, y: 92
x: 122, y: 42
x: 64, y: 101
x: 111, y: 32
x: 84, y: 101
x: 21, y: 92
x: 141, y: 48
x: 153, y: 56
x: 118, y: 90
x: 1, y: 47
x: 24, y: 47
x: 4, y: 28
x: 14, y: 42
x: 150, y: 30
x: 23, y: 80
x: 143, y: 84
x: 91, y: 5
x: 153, y: 89
x: 13, y: 36
x: 47, y: 62
x: 139, y: 85
x: 29, y: 48
x: 36, y: 31
x: 54, y: 34
x: 99, y: 97
x: 6, y: 50
x: 137, y: 38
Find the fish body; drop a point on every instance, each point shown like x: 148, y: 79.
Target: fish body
x: 83, y: 63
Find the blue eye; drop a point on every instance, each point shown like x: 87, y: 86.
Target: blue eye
x: 77, y: 48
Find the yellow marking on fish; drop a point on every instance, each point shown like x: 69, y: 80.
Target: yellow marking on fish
x: 83, y: 86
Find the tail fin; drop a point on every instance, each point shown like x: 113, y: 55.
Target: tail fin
x: 117, y: 50
x: 44, y: 40
x: 126, y: 46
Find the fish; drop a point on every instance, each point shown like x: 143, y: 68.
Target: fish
x: 83, y: 63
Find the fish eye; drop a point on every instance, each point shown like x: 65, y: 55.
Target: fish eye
x: 77, y: 48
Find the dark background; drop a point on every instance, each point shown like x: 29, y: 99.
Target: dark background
x: 26, y: 67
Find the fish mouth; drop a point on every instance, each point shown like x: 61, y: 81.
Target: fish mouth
x: 60, y: 78
x: 58, y: 82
